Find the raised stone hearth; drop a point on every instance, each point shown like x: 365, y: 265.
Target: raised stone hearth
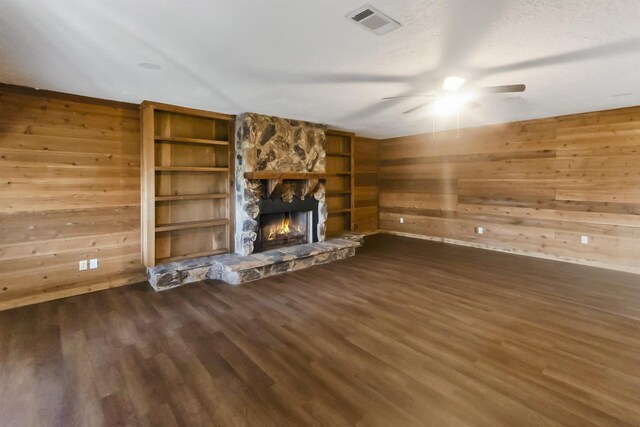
x: 235, y: 269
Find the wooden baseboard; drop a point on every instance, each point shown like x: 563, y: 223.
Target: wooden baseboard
x: 585, y: 262
x: 70, y: 291
x: 411, y: 235
x: 369, y: 232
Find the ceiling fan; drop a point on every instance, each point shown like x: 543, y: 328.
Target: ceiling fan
x: 450, y: 99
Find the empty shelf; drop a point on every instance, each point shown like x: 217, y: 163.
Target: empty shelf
x: 192, y: 197
x: 189, y: 169
x: 191, y: 140
x: 191, y: 224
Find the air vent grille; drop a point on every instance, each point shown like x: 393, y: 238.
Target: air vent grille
x: 374, y: 20
x: 364, y: 14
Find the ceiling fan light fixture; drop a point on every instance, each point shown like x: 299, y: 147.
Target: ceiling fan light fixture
x: 448, y: 105
x: 452, y: 83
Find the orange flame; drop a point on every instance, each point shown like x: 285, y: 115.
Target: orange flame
x: 284, y: 229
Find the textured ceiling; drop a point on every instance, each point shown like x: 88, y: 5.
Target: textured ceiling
x: 303, y: 59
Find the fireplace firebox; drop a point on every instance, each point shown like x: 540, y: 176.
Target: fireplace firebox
x: 283, y: 223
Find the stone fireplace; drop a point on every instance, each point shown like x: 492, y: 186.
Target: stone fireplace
x: 277, y: 189
x: 280, y: 209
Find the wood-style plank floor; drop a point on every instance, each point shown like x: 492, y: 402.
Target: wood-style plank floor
x: 408, y: 332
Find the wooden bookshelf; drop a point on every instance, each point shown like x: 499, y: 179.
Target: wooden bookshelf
x: 339, y: 182
x: 187, y: 183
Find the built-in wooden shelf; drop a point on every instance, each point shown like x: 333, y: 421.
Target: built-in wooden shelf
x: 186, y: 111
x: 284, y: 175
x: 191, y: 224
x: 195, y: 255
x: 179, y: 139
x: 192, y: 197
x: 187, y: 184
x: 189, y: 169
x: 339, y: 183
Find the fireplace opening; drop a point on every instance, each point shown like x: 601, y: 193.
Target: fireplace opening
x: 283, y: 223
x: 284, y: 229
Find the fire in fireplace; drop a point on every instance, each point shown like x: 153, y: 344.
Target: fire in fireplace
x: 284, y: 229
x: 286, y: 223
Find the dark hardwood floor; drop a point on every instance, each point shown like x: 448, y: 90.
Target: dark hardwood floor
x: 408, y: 332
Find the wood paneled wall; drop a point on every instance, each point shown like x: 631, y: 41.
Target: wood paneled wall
x: 69, y: 190
x: 70, y: 185
x: 366, y: 184
x: 535, y: 186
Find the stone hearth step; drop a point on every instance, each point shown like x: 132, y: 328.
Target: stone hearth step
x: 236, y: 269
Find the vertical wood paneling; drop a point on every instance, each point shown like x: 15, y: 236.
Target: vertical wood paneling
x: 69, y: 190
x: 535, y: 186
x: 366, y: 184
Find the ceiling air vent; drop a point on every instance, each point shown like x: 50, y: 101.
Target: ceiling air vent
x: 374, y: 20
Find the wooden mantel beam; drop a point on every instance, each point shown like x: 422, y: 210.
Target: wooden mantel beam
x: 284, y: 175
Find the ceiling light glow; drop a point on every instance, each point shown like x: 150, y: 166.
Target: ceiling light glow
x: 448, y: 105
x: 452, y: 83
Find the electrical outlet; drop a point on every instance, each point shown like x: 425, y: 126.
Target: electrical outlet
x: 584, y: 240
x: 93, y: 263
x: 479, y: 230
x: 401, y: 220
x: 82, y: 265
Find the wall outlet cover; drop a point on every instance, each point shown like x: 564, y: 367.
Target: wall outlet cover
x: 584, y: 240
x: 82, y: 265
x: 401, y: 220
x: 479, y: 230
x: 93, y: 263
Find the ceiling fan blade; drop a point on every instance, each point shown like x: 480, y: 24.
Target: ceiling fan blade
x: 409, y: 96
x: 417, y: 107
x: 595, y: 52
x: 503, y: 89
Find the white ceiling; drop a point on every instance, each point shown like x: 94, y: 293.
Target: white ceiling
x: 303, y: 59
